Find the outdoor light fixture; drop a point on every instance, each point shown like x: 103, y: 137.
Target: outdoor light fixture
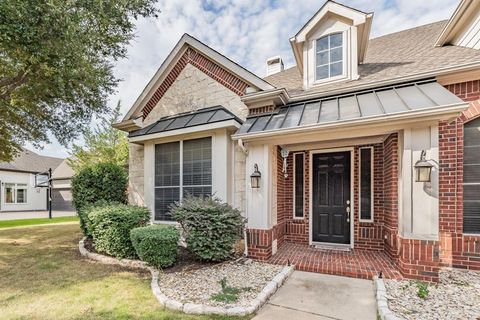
x: 255, y: 177
x: 423, y: 169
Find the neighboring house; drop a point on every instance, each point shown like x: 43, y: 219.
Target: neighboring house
x: 61, y: 187
x: 335, y: 138
x: 17, y: 181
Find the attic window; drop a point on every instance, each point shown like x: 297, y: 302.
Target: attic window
x: 329, y: 56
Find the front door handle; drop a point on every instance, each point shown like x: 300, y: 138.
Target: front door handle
x: 348, y: 210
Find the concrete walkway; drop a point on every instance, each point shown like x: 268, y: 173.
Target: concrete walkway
x: 34, y: 214
x: 314, y: 296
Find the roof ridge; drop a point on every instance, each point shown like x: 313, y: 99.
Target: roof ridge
x: 408, y: 29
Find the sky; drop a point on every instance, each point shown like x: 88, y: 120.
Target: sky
x: 246, y: 31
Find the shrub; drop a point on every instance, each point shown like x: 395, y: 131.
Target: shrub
x: 102, y: 182
x: 211, y: 227
x: 110, y: 227
x: 156, y: 245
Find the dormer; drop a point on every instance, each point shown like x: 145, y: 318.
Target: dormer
x: 330, y: 46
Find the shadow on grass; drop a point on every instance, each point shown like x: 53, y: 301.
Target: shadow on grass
x: 45, y: 277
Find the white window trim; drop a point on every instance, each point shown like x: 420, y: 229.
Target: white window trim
x: 371, y: 184
x: 15, y: 188
x: 344, y: 59
x: 294, y: 186
x: 181, y: 186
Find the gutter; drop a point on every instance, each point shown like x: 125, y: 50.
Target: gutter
x: 406, y: 115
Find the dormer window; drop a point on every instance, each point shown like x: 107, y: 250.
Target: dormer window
x: 329, y: 56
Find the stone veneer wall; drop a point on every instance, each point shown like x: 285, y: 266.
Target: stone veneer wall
x: 192, y: 89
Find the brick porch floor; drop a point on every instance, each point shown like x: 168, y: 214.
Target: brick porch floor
x: 356, y: 263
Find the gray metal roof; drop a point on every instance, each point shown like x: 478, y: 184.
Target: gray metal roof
x: 357, y: 105
x: 187, y: 120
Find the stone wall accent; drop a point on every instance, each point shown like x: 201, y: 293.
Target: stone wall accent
x: 192, y: 89
x: 208, y: 67
x: 135, y: 174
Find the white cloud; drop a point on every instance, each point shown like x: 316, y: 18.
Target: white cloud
x: 247, y: 32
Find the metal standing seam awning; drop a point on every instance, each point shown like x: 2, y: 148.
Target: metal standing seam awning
x: 382, y: 102
x: 205, y: 116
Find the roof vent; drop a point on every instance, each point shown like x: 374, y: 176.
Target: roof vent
x: 274, y: 65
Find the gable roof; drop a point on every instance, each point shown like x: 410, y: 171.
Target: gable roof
x: 398, y: 57
x: 29, y: 161
x: 185, y: 42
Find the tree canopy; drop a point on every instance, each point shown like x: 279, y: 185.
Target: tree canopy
x: 103, y: 144
x: 56, y: 65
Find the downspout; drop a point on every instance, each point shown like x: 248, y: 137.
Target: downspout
x: 245, y: 151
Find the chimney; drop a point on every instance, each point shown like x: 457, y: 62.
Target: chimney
x: 274, y: 65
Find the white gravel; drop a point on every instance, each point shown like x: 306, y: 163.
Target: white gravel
x: 198, y: 286
x: 456, y: 296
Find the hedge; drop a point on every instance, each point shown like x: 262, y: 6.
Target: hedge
x: 157, y: 245
x: 100, y: 183
x: 211, y: 227
x: 110, y: 227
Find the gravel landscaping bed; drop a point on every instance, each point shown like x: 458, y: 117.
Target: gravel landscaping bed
x: 198, y: 286
x: 456, y: 296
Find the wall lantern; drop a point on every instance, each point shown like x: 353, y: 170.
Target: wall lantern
x: 423, y: 169
x: 255, y: 177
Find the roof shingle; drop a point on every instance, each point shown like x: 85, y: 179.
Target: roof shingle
x: 391, y: 56
x: 29, y: 161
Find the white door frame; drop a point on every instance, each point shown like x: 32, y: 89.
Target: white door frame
x: 352, y: 198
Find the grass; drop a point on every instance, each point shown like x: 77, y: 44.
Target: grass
x: 43, y: 276
x: 29, y: 222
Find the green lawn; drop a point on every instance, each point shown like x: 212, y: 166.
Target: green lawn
x: 43, y: 276
x: 29, y: 222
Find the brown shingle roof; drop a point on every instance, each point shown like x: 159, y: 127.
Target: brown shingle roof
x: 29, y: 161
x: 388, y: 57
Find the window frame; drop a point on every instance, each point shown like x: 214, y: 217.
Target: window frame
x: 180, y: 185
x: 294, y: 189
x: 372, y: 189
x: 15, y: 193
x: 344, y: 58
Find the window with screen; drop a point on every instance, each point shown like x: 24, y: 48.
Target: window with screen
x: 329, y: 56
x: 471, y: 177
x: 182, y: 168
x: 366, y: 184
x: 299, y: 189
x: 21, y: 193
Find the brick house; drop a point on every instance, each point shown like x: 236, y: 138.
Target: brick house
x: 337, y: 140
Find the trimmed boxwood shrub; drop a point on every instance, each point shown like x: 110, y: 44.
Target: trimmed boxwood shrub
x: 102, y: 182
x: 156, y: 244
x: 211, y: 227
x: 110, y: 227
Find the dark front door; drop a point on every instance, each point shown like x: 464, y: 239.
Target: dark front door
x: 331, y: 197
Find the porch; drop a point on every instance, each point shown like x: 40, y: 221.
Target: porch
x: 363, y: 264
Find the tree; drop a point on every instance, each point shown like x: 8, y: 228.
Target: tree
x: 56, y: 65
x: 103, y: 144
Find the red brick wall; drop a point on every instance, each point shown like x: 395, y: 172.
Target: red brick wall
x: 419, y: 259
x: 207, y: 66
x: 369, y: 235
x: 456, y: 249
x: 390, y: 194
x: 259, y: 243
